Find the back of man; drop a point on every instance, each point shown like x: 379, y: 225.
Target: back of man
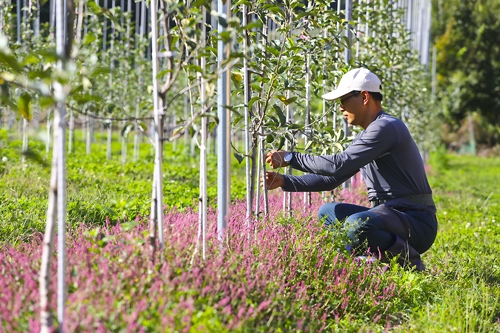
x: 398, y: 171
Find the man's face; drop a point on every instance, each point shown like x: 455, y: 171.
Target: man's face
x: 350, y: 106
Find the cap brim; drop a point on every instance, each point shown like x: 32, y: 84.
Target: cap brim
x: 333, y: 95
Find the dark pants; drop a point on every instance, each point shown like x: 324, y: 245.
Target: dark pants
x: 379, y: 226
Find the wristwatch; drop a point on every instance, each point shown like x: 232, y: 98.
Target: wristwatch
x: 288, y: 157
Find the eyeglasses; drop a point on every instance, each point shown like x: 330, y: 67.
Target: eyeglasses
x: 354, y: 93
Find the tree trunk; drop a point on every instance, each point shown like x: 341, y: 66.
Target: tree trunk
x: 47, y: 249
x: 109, y: 139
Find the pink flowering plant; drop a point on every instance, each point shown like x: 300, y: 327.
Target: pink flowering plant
x: 281, y: 274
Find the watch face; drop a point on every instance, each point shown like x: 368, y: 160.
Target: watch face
x: 288, y: 157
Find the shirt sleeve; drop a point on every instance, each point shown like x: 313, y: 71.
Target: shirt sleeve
x: 312, y: 183
x: 369, y: 145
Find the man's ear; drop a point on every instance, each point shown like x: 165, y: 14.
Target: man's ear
x: 366, y: 97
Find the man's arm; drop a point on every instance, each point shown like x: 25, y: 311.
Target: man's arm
x: 372, y: 144
x: 304, y: 183
x: 312, y: 183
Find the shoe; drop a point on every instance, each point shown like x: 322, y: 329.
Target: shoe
x: 408, y: 257
x: 365, y: 259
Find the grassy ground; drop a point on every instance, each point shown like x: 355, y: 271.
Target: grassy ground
x: 464, y: 295
x: 97, y: 188
x: 295, y: 265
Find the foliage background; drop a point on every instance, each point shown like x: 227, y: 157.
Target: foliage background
x: 467, y: 38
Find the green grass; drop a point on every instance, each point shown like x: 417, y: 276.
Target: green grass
x: 97, y: 188
x: 464, y: 295
x: 460, y: 293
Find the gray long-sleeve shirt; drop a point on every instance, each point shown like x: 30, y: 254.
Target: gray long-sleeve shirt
x: 386, y: 154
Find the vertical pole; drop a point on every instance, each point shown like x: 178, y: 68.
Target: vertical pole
x: 105, y: 27
x: 248, y: 138
x: 203, y: 148
x: 37, y: 20
x: 410, y: 19
x: 335, y: 106
x: 158, y: 128
x: 347, y: 59
x: 138, y: 6
x: 426, y: 35
x: 52, y: 19
x: 367, y: 23
x: 122, y: 14
x: 348, y: 17
x: 325, y: 117
x: 223, y: 130
x: 358, y: 28
x: 18, y: 17
x: 60, y: 123
x: 307, y: 195
x: 433, y: 84
x: 287, y: 196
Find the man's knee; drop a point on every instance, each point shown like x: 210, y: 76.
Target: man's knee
x: 326, y: 213
x: 354, y: 225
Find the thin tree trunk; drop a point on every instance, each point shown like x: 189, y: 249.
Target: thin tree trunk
x: 203, y: 149
x: 71, y: 139
x: 261, y: 161
x: 307, y: 195
x: 25, y: 139
x: 88, y: 146
x: 48, y: 143
x: 287, y: 196
x: 249, y: 172
x: 57, y: 191
x: 47, y: 249
x: 109, y: 139
x: 81, y: 14
x: 137, y: 142
x: 157, y: 202
x: 124, y: 149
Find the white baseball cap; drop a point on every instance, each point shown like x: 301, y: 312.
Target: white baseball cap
x: 355, y: 80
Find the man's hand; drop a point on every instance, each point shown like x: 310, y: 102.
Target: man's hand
x: 273, y: 180
x: 276, y: 159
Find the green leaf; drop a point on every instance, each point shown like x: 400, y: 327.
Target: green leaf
x: 252, y: 25
x: 24, y: 106
x: 34, y: 156
x: 282, y: 143
x: 273, y: 50
x: 274, y: 9
x: 308, y: 145
x: 99, y: 71
x: 48, y: 55
x: 30, y: 59
x: 45, y: 102
x: 109, y: 108
x: 280, y: 115
x: 142, y: 125
x: 252, y: 100
x: 236, y: 120
x: 126, y: 129
x: 199, y: 3
x: 239, y: 157
x: 275, y: 120
x: 196, y: 68
x: 287, y: 101
x: 211, y: 126
x: 339, y: 147
x: 89, y: 38
x: 294, y: 126
x: 11, y: 61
